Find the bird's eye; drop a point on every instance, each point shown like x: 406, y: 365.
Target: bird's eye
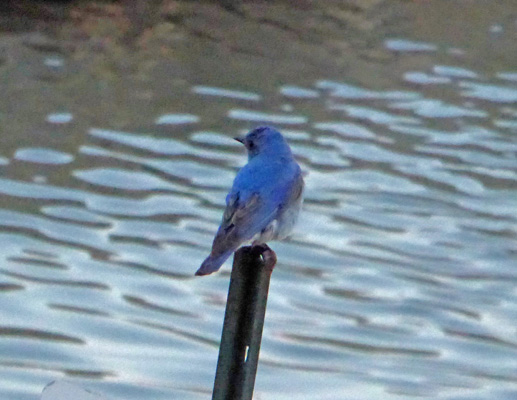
x: 251, y: 145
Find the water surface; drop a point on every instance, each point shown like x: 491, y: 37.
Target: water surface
x: 399, y: 282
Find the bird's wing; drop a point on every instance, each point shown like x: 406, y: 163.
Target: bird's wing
x: 257, y: 196
x: 296, y: 191
x: 244, y: 216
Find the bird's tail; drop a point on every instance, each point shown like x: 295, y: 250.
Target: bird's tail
x: 213, y: 263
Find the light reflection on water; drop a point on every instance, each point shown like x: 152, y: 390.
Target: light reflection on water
x: 399, y: 282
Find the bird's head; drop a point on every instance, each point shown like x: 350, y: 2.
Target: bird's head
x: 265, y: 140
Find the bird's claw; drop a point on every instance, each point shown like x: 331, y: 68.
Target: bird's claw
x: 267, y: 255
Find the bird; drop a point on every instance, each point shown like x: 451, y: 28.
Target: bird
x: 265, y: 199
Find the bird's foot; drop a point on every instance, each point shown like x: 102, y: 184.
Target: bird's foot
x: 267, y: 255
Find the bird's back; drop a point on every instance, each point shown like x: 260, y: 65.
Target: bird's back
x: 264, y: 200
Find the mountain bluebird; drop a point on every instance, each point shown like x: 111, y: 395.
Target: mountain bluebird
x: 265, y: 199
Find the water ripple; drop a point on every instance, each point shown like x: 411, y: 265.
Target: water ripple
x: 123, y: 179
x: 298, y: 92
x: 145, y: 142
x: 423, y: 78
x: 373, y: 115
x: 437, y: 109
x: 176, y: 119
x: 454, y: 72
x: 60, y: 118
x: 405, y: 45
x: 347, y: 91
x: 43, y: 156
x: 256, y: 116
x: 493, y: 93
x: 37, y: 335
x: 226, y: 93
x: 346, y: 129
x: 399, y: 280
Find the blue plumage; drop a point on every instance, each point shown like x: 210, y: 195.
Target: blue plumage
x: 265, y: 199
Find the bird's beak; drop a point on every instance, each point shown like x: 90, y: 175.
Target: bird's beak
x: 239, y: 139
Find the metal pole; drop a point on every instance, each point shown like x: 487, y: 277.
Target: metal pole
x: 242, y: 329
